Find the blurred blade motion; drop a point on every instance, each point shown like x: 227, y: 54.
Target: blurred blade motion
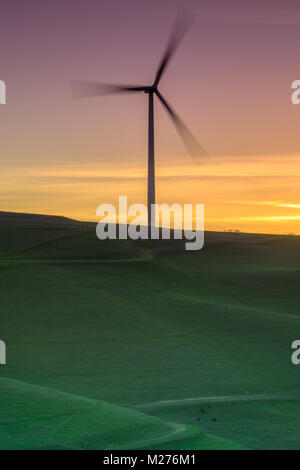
x: 182, y: 23
x: 193, y: 146
x: 83, y: 89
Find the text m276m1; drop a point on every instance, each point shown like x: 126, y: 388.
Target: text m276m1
x: 174, y: 459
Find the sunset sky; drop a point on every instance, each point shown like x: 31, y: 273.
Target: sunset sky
x: 230, y: 81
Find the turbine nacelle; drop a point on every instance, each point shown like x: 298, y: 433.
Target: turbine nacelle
x: 150, y: 89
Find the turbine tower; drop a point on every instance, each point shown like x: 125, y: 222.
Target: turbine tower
x: 84, y: 89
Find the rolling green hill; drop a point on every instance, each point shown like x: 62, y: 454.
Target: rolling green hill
x: 197, y: 341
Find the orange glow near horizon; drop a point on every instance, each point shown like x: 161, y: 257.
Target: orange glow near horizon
x: 252, y: 194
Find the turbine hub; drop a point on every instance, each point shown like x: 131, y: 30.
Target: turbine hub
x: 150, y: 89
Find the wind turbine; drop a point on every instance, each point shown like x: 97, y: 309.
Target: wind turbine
x: 84, y: 89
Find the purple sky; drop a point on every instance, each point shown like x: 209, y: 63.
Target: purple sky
x: 230, y: 79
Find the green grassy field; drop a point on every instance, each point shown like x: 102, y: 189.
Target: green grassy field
x: 121, y: 344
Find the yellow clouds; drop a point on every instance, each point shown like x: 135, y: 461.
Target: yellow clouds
x: 255, y: 194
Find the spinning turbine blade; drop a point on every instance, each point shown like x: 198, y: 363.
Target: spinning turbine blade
x: 182, y: 24
x: 191, y: 143
x: 82, y: 89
